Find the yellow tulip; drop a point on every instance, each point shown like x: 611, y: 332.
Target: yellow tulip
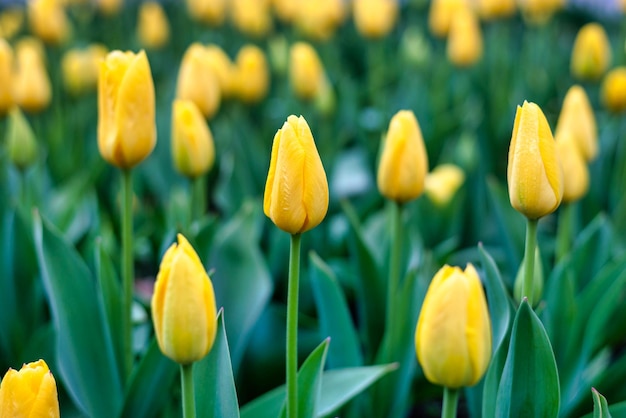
x: 441, y: 13
x: 183, y: 305
x: 80, y: 68
x: 126, y: 114
x: 613, y: 91
x: 192, y: 142
x: 211, y: 12
x: 252, y: 17
x: 533, y: 173
x: 453, y: 334
x: 197, y: 82
x: 320, y: 18
x: 31, y: 392
x: 306, y: 72
x: 575, y: 171
x: 403, y: 162
x: 285, y: 10
x: 296, y: 191
x: 443, y: 182
x: 538, y: 12
x: 252, y: 74
x: 577, y: 117
x: 591, y: 54
x: 153, y: 29
x: 110, y: 7
x: 11, y: 22
x: 6, y: 74
x: 375, y: 18
x: 465, y: 40
x: 48, y: 20
x: 21, y: 143
x: 223, y: 68
x: 495, y: 9
x: 32, y: 88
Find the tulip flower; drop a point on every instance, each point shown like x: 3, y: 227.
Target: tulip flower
x: 192, y: 143
x: 538, y: 12
x: 285, y: 10
x: 319, y: 19
x: 613, y: 93
x: 211, y: 12
x: 32, y: 88
x: 21, y: 142
x: 153, y: 29
x: 306, y: 72
x: 296, y: 191
x: 495, y: 9
x: 441, y: 14
x: 11, y: 21
x: 465, y: 40
x: 48, y: 20
x: 80, y: 68
x: 403, y: 162
x: 223, y: 68
x: 453, y: 334
x: 109, y: 7
x: 375, y: 18
x: 252, y: 74
x: 577, y: 117
x: 197, y: 81
x: 251, y: 17
x: 31, y: 392
x: 442, y: 183
x: 574, y: 166
x: 6, y: 74
x: 591, y: 54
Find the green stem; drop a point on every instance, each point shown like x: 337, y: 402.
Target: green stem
x: 198, y: 197
x: 292, y: 327
x: 127, y: 267
x: 393, y: 283
x: 450, y: 402
x: 564, y: 231
x: 186, y: 381
x: 529, y: 259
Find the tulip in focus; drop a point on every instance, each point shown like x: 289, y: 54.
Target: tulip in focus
x: 465, y: 40
x: 591, y: 54
x: 153, y: 29
x: 6, y: 74
x: 375, y: 18
x: 252, y: 74
x: 442, y: 183
x: 251, y: 17
x: 453, y: 334
x: 306, y: 72
x: 577, y: 117
x: 441, y: 14
x: 126, y: 109
x: 197, y: 82
x: 31, y: 392
x: 211, y: 12
x: 183, y: 305
x: 533, y: 173
x: 192, y: 142
x: 403, y: 162
x: 80, y: 68
x: 48, y: 21
x: 21, y: 143
x: 32, y: 88
x: 296, y: 191
x: 575, y: 170
x: 613, y: 93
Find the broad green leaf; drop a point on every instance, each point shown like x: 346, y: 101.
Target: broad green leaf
x: 600, y: 406
x: 216, y: 395
x: 491, y: 381
x: 85, y: 353
x: 529, y: 386
x: 591, y: 249
x: 334, y: 316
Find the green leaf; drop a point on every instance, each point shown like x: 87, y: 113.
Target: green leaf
x: 491, y: 381
x: 150, y: 383
x: 600, y: 406
x: 530, y: 383
x: 334, y: 316
x: 84, y: 351
x: 216, y: 395
x: 618, y: 410
x: 9, y: 325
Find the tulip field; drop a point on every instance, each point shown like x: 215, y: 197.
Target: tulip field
x: 312, y: 208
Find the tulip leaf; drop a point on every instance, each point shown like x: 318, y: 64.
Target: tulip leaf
x: 85, y: 352
x: 618, y: 410
x: 151, y: 379
x: 600, y: 405
x: 8, y: 296
x: 334, y: 316
x: 491, y: 381
x: 216, y: 395
x: 529, y: 386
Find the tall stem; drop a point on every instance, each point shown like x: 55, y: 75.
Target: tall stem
x: 198, y: 197
x: 529, y: 259
x: 292, y: 327
x: 393, y: 282
x: 450, y: 402
x: 186, y: 381
x: 127, y: 267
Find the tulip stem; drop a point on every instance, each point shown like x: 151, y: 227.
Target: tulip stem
x: 564, y: 231
x: 186, y: 380
x: 450, y: 402
x: 127, y: 267
x: 394, y: 274
x: 529, y: 260
x: 198, y: 198
x: 292, y: 327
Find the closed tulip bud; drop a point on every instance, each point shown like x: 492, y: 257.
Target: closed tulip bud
x: 210, y: 12
x: 414, y: 47
x: 253, y: 79
x: 403, y: 162
x: 375, y: 18
x: 197, y: 82
x: 306, y: 72
x: 192, y: 143
x: 21, y: 142
x: 110, y: 7
x: 6, y: 74
x: 48, y: 21
x: 577, y: 117
x: 31, y: 392
x: 126, y: 113
x: 575, y: 170
x: 183, y: 305
x: 80, y: 68
x: 285, y: 10
x: 252, y: 17
x: 591, y: 54
x: 495, y: 9
x: 453, y: 334
x: 153, y: 29
x: 32, y: 85
x: 319, y: 19
x: 533, y: 173
x: 296, y: 191
x: 613, y: 93
x: 11, y: 22
x: 223, y: 68
x: 442, y: 183
x: 441, y: 14
x: 465, y: 40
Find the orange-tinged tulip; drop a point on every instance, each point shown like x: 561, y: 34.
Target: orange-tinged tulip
x: 577, y: 117
x: 197, y: 81
x: 183, y: 305
x: 32, y: 90
x: 211, y: 12
x: 11, y: 22
x: 453, y: 334
x: 443, y: 182
x: 31, y: 392
x: 403, y: 162
x: 153, y: 28
x: 465, y: 39
x: 193, y: 151
x: 126, y: 113
x: 533, y: 173
x: 306, y: 72
x: 252, y: 17
x: 296, y: 191
x: 80, y: 68
x: 223, y: 68
x: 613, y: 91
x: 375, y: 18
x: 252, y: 74
x: 6, y: 74
x: 591, y: 54
x: 441, y: 14
x: 48, y: 20
x: 575, y: 170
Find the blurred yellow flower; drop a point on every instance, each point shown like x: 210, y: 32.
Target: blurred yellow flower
x: 31, y: 392
x: 223, y: 68
x: 183, y: 305
x: 110, y: 7
x: 251, y: 17
x: 613, y: 92
x: 11, y: 22
x: 21, y: 143
x: 211, y: 12
x: 153, y: 28
x: 577, y: 117
x: 533, y: 173
x: 591, y: 54
x: 453, y: 334
x: 465, y: 39
x: 306, y: 72
x: 403, y: 162
x: 286, y: 10
x: 442, y: 183
x: 375, y: 18
x: 32, y: 90
x: 48, y: 21
x: 197, y: 82
x: 6, y: 75
x: 575, y: 170
x: 193, y: 151
x: 538, y: 12
x: 296, y: 190
x: 441, y: 14
x: 495, y: 9
x: 126, y: 109
x: 318, y: 19
x: 80, y: 68
x: 252, y: 74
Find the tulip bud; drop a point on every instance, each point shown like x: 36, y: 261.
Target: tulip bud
x: 31, y: 392
x: 192, y: 143
x: 319, y: 19
x: 11, y: 21
x: 197, y: 82
x: 375, y: 18
x: 465, y: 40
x: 21, y: 142
x: 183, y: 305
x: 222, y: 68
x: 6, y: 74
x: 533, y: 172
x: 48, y: 21
x: 110, y: 7
x: 153, y: 29
x: 251, y: 17
x: 296, y: 191
x: 80, y: 68
x: 211, y: 12
x: 591, y: 54
x: 441, y: 13
x: 574, y: 166
x: 126, y: 113
x: 285, y: 10
x: 613, y: 93
x: 495, y: 9
x: 306, y: 71
x: 32, y: 85
x: 403, y: 162
x: 414, y: 47
x: 252, y: 74
x: 453, y: 334
x: 538, y: 280
x: 577, y: 117
x: 442, y: 183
